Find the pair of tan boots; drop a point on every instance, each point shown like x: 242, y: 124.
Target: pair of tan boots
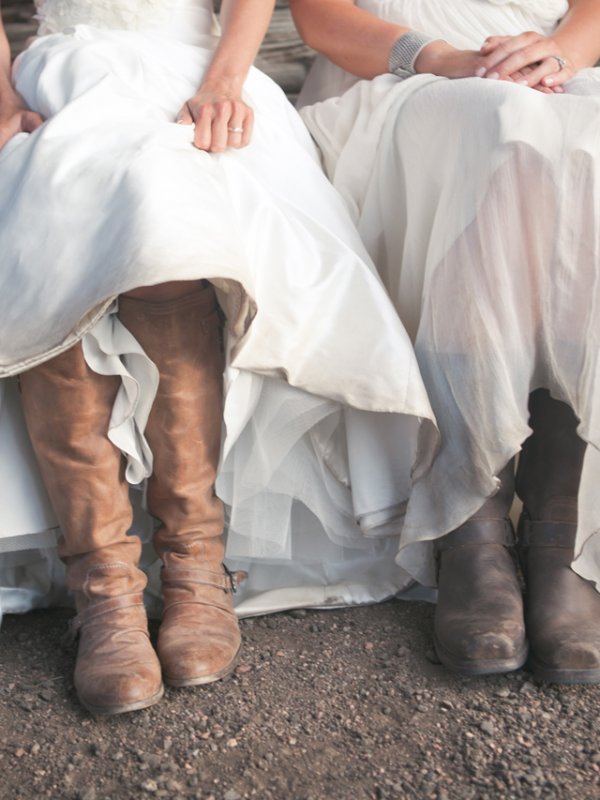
x: 68, y: 408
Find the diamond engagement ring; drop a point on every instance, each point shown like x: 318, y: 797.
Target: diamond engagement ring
x: 235, y: 130
x: 561, y: 62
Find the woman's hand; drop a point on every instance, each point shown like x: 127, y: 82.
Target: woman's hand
x: 14, y: 118
x: 219, y: 121
x: 529, y: 58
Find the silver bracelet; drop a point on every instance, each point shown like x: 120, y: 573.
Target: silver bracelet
x: 405, y: 51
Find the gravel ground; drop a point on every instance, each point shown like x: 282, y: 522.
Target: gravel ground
x: 323, y: 706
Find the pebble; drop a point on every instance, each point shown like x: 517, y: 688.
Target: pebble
x: 487, y: 726
x: 232, y: 794
x: 528, y: 688
x: 298, y: 613
x: 431, y: 656
x: 149, y: 786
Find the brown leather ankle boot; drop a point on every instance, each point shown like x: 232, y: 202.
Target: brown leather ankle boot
x: 562, y: 609
x: 199, y: 638
x: 67, y: 408
x: 478, y: 624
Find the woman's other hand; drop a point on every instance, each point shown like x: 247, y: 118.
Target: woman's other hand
x: 530, y: 59
x: 14, y: 118
x: 220, y: 122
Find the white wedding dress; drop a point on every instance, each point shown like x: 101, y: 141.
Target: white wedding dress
x: 109, y: 194
x: 479, y: 201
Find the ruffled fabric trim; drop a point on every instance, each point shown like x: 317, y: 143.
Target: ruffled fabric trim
x: 110, y: 349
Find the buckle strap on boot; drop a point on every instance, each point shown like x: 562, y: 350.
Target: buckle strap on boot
x: 99, y: 609
x: 540, y: 533
x: 226, y: 580
x: 478, y: 532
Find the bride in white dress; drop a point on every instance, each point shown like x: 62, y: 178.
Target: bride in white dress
x: 477, y: 198
x: 127, y: 196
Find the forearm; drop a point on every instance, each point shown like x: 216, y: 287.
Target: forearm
x: 352, y: 38
x: 7, y: 92
x: 244, y: 24
x: 579, y: 33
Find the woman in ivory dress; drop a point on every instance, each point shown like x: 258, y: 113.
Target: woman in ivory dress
x: 145, y: 164
x: 464, y: 136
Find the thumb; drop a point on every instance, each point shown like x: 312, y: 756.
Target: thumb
x: 30, y: 121
x: 184, y: 116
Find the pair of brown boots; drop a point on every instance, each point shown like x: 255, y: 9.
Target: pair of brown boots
x: 482, y: 624
x: 68, y: 408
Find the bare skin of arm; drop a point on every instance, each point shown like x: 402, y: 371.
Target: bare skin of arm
x: 360, y: 43
x: 221, y: 118
x: 14, y: 117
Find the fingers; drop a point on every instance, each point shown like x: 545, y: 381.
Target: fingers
x: 21, y: 122
x: 30, y: 121
x: 218, y: 124
x: 529, y: 59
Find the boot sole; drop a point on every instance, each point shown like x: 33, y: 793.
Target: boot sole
x: 179, y: 683
x: 123, y: 708
x: 472, y: 669
x: 562, y: 676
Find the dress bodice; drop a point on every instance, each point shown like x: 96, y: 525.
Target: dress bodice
x: 466, y: 23
x: 187, y: 20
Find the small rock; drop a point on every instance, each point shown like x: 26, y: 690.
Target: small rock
x: 232, y: 742
x: 528, y: 688
x: 46, y: 694
x: 298, y: 613
x: 19, y: 752
x: 231, y: 794
x: 149, y: 786
x: 242, y: 669
x: 431, y: 656
x: 487, y: 726
x: 35, y: 749
x: 503, y: 692
x: 88, y: 793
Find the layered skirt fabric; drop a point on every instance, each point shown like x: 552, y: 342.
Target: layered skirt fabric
x: 479, y: 201
x: 323, y: 390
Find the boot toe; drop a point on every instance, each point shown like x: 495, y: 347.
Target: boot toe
x: 116, y: 693
x: 473, y: 651
x: 566, y: 659
x: 189, y: 662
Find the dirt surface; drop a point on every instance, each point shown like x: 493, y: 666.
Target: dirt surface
x: 323, y: 706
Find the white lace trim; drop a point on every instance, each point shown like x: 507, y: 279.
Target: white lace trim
x: 56, y: 15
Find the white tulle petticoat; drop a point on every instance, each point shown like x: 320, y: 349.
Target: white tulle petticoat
x: 479, y: 201
x: 323, y: 390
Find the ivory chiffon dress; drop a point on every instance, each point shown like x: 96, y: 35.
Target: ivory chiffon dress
x: 479, y: 200
x: 323, y: 392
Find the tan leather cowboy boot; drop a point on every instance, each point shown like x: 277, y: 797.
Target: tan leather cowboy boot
x: 562, y: 610
x: 199, y: 638
x: 67, y: 408
x: 478, y: 625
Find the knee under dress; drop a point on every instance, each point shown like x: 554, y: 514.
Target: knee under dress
x: 479, y: 202
x: 326, y: 416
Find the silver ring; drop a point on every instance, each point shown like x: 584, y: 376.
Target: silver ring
x: 235, y: 130
x: 561, y: 62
